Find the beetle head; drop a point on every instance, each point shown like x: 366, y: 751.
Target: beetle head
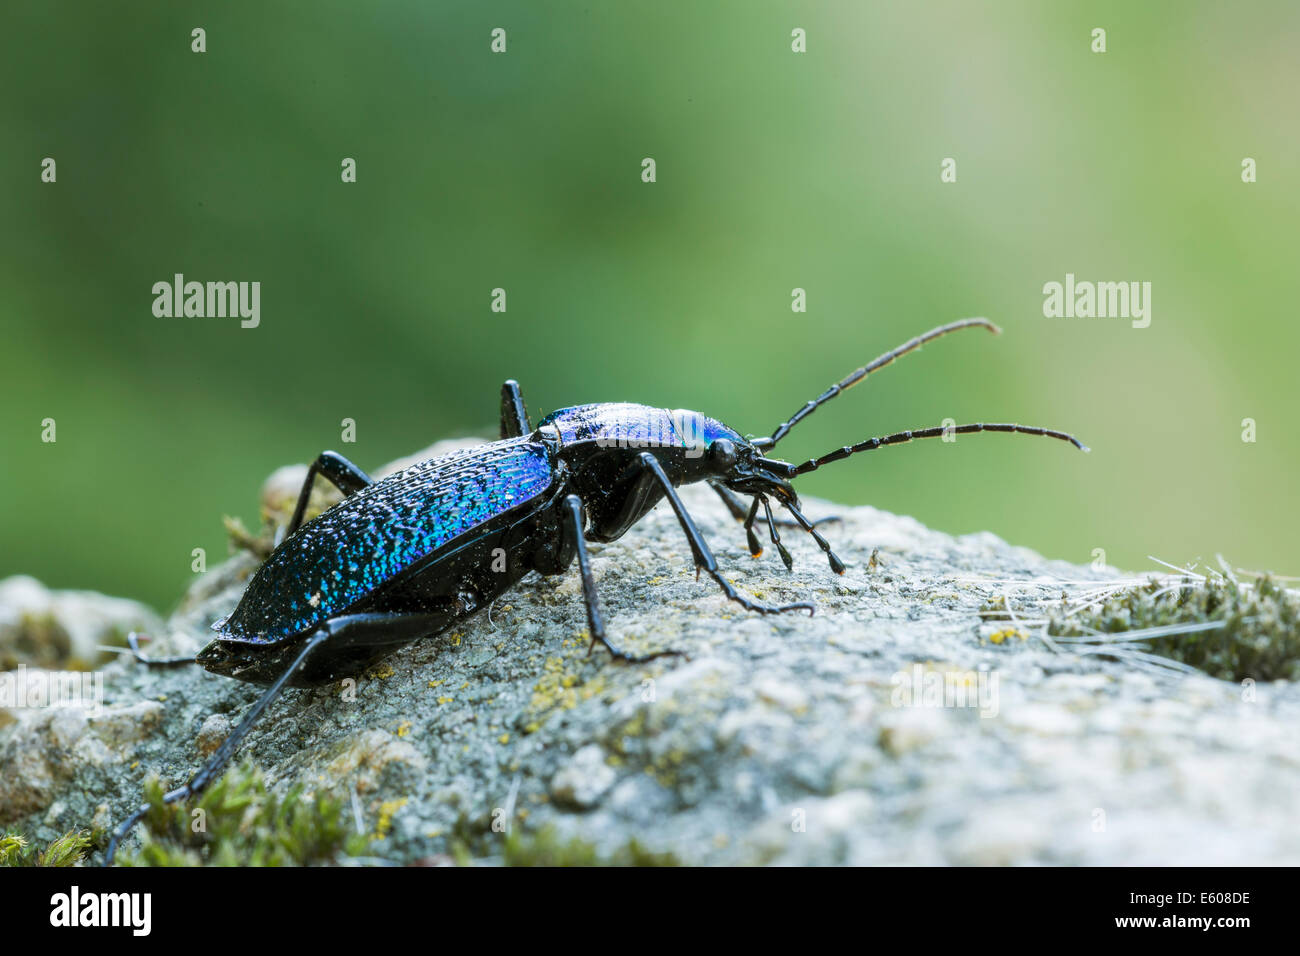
x: 740, y: 465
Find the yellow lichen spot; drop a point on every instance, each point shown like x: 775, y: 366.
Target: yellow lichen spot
x: 436, y: 683
x: 403, y: 728
x: 464, y: 685
x: 382, y: 673
x: 445, y: 700
x: 504, y: 739
x: 997, y: 637
x: 532, y: 727
x: 161, y: 698
x: 135, y: 764
x: 385, y: 822
x: 455, y: 640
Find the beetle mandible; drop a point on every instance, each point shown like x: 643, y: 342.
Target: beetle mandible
x: 411, y: 555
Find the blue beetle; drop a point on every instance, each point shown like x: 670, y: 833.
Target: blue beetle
x: 411, y: 555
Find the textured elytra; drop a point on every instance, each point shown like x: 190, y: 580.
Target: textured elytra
x: 637, y: 426
x: 341, y: 557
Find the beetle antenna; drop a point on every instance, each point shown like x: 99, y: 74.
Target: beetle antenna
x: 871, y: 444
x: 854, y: 377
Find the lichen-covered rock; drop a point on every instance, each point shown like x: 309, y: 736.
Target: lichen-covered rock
x: 921, y: 716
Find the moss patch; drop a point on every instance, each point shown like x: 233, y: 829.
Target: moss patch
x: 1259, y: 639
x: 238, y: 822
x: 68, y: 850
x: 545, y: 848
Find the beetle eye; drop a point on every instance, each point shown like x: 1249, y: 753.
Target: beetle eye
x: 723, y: 452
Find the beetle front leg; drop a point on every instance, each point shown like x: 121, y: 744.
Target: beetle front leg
x: 595, y: 620
x: 703, y: 556
x: 335, y: 469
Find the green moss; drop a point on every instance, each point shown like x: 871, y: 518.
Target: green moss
x: 545, y: 848
x: 68, y: 850
x: 238, y: 822
x: 1259, y: 637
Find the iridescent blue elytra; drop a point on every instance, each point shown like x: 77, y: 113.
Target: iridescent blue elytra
x: 365, y: 541
x: 624, y: 425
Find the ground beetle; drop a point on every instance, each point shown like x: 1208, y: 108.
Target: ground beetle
x: 413, y: 554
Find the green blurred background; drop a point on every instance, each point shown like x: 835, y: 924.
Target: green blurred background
x: 775, y: 170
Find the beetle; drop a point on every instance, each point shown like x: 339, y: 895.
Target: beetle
x: 409, y: 556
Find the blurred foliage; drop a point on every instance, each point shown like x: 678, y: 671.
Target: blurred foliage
x: 775, y: 170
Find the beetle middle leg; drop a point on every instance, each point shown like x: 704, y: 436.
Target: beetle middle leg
x: 595, y: 620
x: 704, y: 558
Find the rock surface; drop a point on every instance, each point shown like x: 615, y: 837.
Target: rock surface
x: 897, y: 725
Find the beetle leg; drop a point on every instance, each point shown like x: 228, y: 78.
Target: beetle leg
x: 339, y: 472
x: 351, y: 630
x: 704, y: 558
x: 595, y: 620
x: 133, y: 642
x: 731, y: 500
x: 227, y: 749
x: 514, y: 416
x: 755, y: 549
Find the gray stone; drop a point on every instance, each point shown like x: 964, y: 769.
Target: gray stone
x: 838, y: 738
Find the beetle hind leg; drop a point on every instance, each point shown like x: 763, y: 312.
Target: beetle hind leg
x: 318, y: 657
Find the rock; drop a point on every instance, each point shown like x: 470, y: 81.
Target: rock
x: 212, y: 734
x: 888, y: 728
x: 44, y: 628
x: 584, y: 779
